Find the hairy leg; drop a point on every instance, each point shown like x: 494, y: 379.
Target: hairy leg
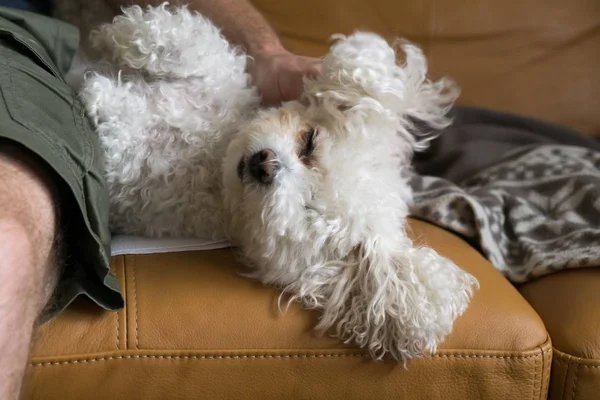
x: 28, y: 271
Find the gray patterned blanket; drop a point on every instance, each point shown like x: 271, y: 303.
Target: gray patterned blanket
x: 524, y: 192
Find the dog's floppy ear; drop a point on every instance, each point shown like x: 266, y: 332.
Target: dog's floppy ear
x: 399, y: 302
x: 361, y: 74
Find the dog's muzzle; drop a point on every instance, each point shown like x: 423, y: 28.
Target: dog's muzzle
x: 262, y: 166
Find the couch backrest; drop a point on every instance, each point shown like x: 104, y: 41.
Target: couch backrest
x: 540, y: 58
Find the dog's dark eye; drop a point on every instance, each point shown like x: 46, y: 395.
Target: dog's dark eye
x: 308, y: 145
x: 310, y: 141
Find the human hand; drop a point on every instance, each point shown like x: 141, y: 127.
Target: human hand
x: 278, y: 75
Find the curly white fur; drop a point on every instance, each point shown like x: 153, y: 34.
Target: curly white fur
x: 178, y: 121
x: 165, y: 118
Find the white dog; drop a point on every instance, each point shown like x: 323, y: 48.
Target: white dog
x: 315, y: 192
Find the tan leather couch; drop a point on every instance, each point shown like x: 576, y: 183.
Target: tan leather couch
x: 193, y: 328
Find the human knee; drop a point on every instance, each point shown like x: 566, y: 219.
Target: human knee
x: 27, y: 266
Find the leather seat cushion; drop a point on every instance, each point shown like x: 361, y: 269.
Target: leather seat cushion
x: 193, y: 328
x: 569, y: 304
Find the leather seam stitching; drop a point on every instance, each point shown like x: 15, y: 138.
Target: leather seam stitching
x: 118, y: 336
x: 269, y: 356
x: 114, y: 271
x: 135, y: 302
x: 548, y: 374
x: 546, y: 366
x: 535, y: 372
x: 126, y: 308
x: 565, y: 383
x: 540, y: 385
x: 569, y: 363
x: 575, y: 382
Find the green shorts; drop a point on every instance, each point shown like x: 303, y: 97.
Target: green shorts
x: 39, y: 111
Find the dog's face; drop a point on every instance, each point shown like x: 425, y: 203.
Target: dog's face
x: 304, y: 187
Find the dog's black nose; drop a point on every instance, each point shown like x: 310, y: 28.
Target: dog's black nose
x: 263, y: 166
